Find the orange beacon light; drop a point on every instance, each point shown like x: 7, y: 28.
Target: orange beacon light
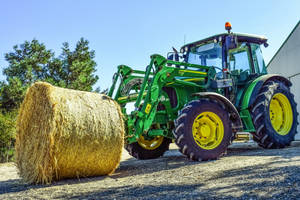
x: 228, y: 26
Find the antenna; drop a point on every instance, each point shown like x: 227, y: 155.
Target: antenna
x: 184, y: 39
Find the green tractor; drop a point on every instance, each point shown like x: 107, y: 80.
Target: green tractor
x: 202, y: 96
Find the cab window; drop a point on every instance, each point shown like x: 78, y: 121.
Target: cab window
x: 258, y: 59
x: 238, y: 58
x: 209, y: 54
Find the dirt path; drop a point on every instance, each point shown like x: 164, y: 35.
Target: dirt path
x: 246, y: 172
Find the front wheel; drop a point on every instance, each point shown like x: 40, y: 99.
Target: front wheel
x: 203, y: 130
x: 274, y: 116
x: 146, y: 148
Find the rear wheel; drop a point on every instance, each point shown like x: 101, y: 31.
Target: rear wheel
x: 148, y: 148
x: 274, y: 116
x: 203, y: 130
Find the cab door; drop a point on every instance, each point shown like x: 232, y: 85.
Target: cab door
x: 241, y: 63
x: 242, y: 70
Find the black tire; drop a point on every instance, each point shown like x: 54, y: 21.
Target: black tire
x: 137, y: 151
x: 266, y: 136
x: 184, y: 134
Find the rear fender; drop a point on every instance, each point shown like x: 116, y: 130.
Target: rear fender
x: 253, y: 89
x: 234, y: 114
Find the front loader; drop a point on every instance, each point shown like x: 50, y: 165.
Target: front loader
x: 201, y: 97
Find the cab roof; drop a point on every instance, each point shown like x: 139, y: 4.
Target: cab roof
x: 242, y: 37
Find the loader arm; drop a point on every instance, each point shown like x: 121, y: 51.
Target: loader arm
x: 140, y: 120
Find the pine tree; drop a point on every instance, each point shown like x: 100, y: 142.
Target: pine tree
x: 78, y: 66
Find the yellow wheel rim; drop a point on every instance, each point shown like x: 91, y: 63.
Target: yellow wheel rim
x: 208, y: 130
x: 150, y: 144
x: 281, y: 114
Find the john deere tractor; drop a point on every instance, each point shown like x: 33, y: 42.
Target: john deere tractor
x: 202, y: 96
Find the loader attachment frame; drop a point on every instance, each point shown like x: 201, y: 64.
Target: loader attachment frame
x: 185, y: 78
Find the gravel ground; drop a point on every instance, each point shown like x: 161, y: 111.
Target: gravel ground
x: 246, y: 172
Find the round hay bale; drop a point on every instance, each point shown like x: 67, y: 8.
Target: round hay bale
x: 64, y: 133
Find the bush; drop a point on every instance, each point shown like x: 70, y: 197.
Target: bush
x: 7, y: 135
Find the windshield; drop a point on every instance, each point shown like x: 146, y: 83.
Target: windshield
x: 209, y: 54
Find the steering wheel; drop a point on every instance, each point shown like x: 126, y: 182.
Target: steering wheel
x: 247, y: 70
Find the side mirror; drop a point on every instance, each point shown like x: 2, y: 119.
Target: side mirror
x: 175, y: 54
x: 175, y: 50
x: 170, y: 57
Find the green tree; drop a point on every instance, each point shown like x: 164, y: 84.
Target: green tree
x: 12, y: 94
x: 31, y: 62
x: 27, y: 63
x: 78, y: 66
x: 7, y: 135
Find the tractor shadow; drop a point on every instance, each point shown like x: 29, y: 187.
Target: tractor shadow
x: 255, y: 185
x: 172, y: 159
x: 252, y: 149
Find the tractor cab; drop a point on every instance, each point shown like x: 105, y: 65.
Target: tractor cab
x: 236, y: 57
x: 231, y: 54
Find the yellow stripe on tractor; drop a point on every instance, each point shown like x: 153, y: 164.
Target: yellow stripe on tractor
x: 192, y: 71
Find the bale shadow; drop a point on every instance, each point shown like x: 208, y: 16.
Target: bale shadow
x: 15, y: 185
x: 172, y: 159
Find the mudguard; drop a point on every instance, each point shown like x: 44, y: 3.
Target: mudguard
x: 253, y: 89
x: 234, y: 114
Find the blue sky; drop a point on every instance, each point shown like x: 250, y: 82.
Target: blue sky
x: 128, y: 32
